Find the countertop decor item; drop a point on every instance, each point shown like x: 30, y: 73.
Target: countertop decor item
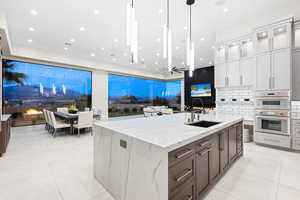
x: 72, y: 109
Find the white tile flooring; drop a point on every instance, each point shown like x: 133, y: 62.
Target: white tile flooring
x: 39, y: 167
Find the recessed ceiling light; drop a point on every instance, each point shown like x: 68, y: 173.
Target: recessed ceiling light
x: 280, y: 29
x: 116, y: 40
x: 93, y: 55
x: 177, y: 47
x: 33, y: 12
x: 72, y: 40
x: 185, y: 28
x: 31, y: 29
x: 82, y: 28
x: 226, y: 10
x: 202, y: 39
x: 157, y: 54
x: 143, y: 59
x: 125, y: 54
x: 29, y: 40
x: 183, y: 63
x: 158, y: 39
x: 66, y: 48
x: 213, y: 47
x: 96, y: 12
x: 210, y: 63
x: 156, y: 63
x: 264, y: 34
x: 161, y: 11
x: 201, y: 59
x: 102, y: 48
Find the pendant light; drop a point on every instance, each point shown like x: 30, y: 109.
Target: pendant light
x: 167, y: 48
x: 190, y: 51
x: 132, y: 31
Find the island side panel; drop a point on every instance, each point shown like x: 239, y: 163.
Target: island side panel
x: 148, y: 172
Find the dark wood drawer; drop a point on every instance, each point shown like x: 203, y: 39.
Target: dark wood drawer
x: 181, y: 172
x: 203, y: 144
x: 185, y: 192
x: 180, y: 154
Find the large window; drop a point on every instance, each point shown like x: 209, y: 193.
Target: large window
x: 28, y: 88
x: 128, y: 95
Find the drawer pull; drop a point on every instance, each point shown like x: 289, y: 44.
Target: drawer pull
x: 204, y: 152
x: 187, y: 152
x: 204, y: 143
x: 189, y: 197
x: 185, y: 174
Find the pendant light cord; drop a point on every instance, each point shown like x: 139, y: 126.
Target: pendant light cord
x: 190, y: 22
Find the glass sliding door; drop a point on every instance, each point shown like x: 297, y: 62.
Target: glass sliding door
x: 129, y: 95
x: 29, y: 88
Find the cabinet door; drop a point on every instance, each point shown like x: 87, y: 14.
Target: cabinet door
x: 247, y: 68
x: 281, y: 36
x: 263, y: 72
x: 224, y: 149
x: 263, y: 41
x: 281, y: 68
x: 296, y: 79
x: 214, y: 158
x: 233, y: 74
x: 239, y: 135
x: 232, y: 143
x: 297, y: 36
x: 220, y: 55
x: 202, y: 170
x: 247, y: 48
x: 233, y: 52
x: 220, y: 75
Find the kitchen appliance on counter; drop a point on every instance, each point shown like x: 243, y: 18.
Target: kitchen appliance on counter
x: 272, y: 118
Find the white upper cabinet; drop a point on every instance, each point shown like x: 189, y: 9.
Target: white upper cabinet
x: 247, y: 48
x: 263, y: 71
x: 281, y: 36
x: 263, y: 41
x: 247, y: 71
x: 233, y: 51
x: 221, y: 75
x: 220, y: 55
x: 281, y: 70
x: 297, y: 36
x: 233, y: 74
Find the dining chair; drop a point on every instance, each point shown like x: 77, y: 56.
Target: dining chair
x: 46, y: 119
x: 85, y: 120
x: 50, y: 124
x: 148, y: 112
x: 57, y: 124
x: 167, y: 111
x: 62, y: 109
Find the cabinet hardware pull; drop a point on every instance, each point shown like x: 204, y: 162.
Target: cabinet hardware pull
x: 204, y: 152
x: 204, y: 143
x: 185, y: 174
x: 188, y: 151
x: 190, y: 197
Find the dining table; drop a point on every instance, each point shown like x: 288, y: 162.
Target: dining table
x: 71, y: 118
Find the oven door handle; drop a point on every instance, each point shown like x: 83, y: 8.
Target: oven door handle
x: 272, y: 117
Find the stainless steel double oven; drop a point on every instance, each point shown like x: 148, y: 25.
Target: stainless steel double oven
x: 273, y: 112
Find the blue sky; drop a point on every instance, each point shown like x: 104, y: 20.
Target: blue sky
x: 74, y: 80
x: 143, y: 88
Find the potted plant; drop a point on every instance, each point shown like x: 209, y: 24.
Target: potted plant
x: 72, y: 109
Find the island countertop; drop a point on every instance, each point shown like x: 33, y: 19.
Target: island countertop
x: 169, y: 131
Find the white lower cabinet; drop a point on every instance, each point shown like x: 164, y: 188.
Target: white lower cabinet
x: 296, y: 144
x: 220, y: 75
x: 274, y: 140
x: 296, y: 79
x: 234, y: 78
x: 247, y: 71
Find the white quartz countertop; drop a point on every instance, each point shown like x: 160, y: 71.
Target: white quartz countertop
x: 169, y: 131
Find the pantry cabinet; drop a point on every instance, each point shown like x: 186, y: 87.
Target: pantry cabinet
x: 281, y: 70
x: 263, y: 71
x: 221, y: 75
x: 233, y: 74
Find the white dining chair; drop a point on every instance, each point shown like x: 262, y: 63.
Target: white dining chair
x: 167, y: 111
x: 62, y: 109
x: 85, y: 120
x: 46, y: 119
x: 50, y: 124
x: 57, y: 124
x: 148, y: 112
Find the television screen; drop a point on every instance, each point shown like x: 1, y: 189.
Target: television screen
x: 201, y: 90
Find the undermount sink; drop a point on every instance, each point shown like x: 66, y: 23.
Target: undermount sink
x: 204, y: 124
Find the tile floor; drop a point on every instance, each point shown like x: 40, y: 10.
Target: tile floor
x: 39, y: 167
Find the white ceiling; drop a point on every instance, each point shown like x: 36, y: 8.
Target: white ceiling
x: 58, y: 21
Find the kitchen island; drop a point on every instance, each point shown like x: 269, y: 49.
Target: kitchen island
x: 163, y: 158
